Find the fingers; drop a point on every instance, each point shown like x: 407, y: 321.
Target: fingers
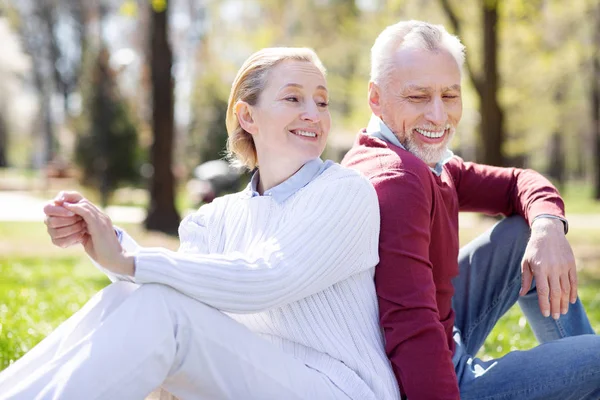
x: 572, y: 276
x: 565, y: 294
x: 543, y: 292
x: 62, y: 232
x: 70, y: 240
x: 68, y: 196
x: 95, y: 219
x: 60, y: 222
x: 54, y: 210
x: 526, y: 278
x: 555, y: 296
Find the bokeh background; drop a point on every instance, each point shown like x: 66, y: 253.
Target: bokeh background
x: 125, y: 100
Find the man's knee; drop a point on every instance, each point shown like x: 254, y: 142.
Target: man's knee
x: 514, y: 231
x: 517, y: 227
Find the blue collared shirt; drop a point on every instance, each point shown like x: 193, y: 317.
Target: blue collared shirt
x: 291, y: 185
x: 377, y: 128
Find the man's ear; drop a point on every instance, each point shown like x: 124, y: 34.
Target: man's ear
x: 243, y: 111
x: 375, y: 98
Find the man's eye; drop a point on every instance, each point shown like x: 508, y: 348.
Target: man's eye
x: 417, y: 98
x: 293, y: 99
x: 451, y: 96
x: 323, y: 104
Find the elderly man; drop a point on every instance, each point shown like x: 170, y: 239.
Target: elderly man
x: 438, y: 304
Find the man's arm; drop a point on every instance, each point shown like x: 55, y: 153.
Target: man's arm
x: 548, y: 256
x: 416, y: 342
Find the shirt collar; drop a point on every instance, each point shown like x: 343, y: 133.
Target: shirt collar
x: 377, y: 128
x: 285, y: 189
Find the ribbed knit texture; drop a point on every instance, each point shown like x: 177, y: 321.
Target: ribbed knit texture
x: 298, y: 273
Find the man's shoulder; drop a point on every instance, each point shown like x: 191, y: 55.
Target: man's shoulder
x: 373, y: 157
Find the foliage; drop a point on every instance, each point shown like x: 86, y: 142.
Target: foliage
x: 208, y: 133
x: 107, y: 149
x: 36, y: 296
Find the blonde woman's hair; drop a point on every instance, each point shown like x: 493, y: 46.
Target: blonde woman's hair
x: 412, y: 34
x: 249, y: 83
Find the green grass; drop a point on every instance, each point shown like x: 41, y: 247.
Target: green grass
x: 42, y: 285
x: 579, y: 198
x: 514, y: 333
x: 36, y: 295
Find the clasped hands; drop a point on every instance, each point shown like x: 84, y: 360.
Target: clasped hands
x: 550, y: 261
x: 72, y: 219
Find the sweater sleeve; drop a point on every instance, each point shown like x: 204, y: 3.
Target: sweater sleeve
x: 506, y: 191
x: 416, y: 342
x: 331, y: 237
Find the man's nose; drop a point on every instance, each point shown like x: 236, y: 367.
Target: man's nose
x: 436, y: 113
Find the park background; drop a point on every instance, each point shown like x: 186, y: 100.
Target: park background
x: 122, y: 99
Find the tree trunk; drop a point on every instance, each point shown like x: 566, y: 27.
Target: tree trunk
x: 556, y: 169
x: 162, y: 215
x: 3, y: 141
x: 492, y: 119
x: 557, y: 166
x: 595, y: 99
x: 491, y: 131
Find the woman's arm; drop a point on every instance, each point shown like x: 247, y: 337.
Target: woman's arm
x: 332, y: 237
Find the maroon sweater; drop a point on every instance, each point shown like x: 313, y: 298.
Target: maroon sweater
x: 418, y: 249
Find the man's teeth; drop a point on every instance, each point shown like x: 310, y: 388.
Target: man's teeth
x: 431, y: 134
x: 305, y: 133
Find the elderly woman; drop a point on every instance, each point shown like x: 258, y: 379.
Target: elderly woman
x: 271, y: 293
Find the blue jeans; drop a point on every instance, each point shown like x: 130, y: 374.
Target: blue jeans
x: 566, y: 365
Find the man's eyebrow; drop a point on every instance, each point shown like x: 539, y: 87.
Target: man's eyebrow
x: 453, y: 87
x: 417, y: 88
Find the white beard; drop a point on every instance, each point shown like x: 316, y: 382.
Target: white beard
x: 430, y: 154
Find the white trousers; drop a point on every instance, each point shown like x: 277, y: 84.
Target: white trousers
x: 129, y: 339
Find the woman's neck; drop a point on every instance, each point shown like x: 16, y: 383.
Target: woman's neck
x: 272, y: 174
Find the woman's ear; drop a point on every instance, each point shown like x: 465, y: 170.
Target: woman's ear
x: 243, y: 111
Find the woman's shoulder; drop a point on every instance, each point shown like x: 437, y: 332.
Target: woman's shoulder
x: 345, y: 181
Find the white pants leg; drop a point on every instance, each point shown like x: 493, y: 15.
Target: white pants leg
x: 127, y: 341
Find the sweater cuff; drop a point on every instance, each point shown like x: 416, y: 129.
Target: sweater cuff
x: 118, y: 232
x: 564, y: 221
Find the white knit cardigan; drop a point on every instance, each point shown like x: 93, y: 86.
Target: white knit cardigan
x: 298, y: 273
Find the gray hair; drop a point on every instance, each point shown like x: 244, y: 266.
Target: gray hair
x: 411, y: 34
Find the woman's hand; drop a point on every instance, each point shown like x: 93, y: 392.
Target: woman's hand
x: 64, y: 227
x: 87, y: 224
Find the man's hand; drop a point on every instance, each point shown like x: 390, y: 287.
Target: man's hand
x: 549, y: 259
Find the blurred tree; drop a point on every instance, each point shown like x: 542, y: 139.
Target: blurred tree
x: 487, y: 83
x: 52, y: 32
x: 107, y: 151
x: 595, y: 95
x: 208, y: 133
x: 3, y: 138
x: 162, y: 215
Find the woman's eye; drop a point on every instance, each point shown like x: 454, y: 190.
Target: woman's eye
x: 323, y: 104
x: 293, y: 99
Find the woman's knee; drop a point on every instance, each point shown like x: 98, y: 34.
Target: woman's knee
x: 119, y: 290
